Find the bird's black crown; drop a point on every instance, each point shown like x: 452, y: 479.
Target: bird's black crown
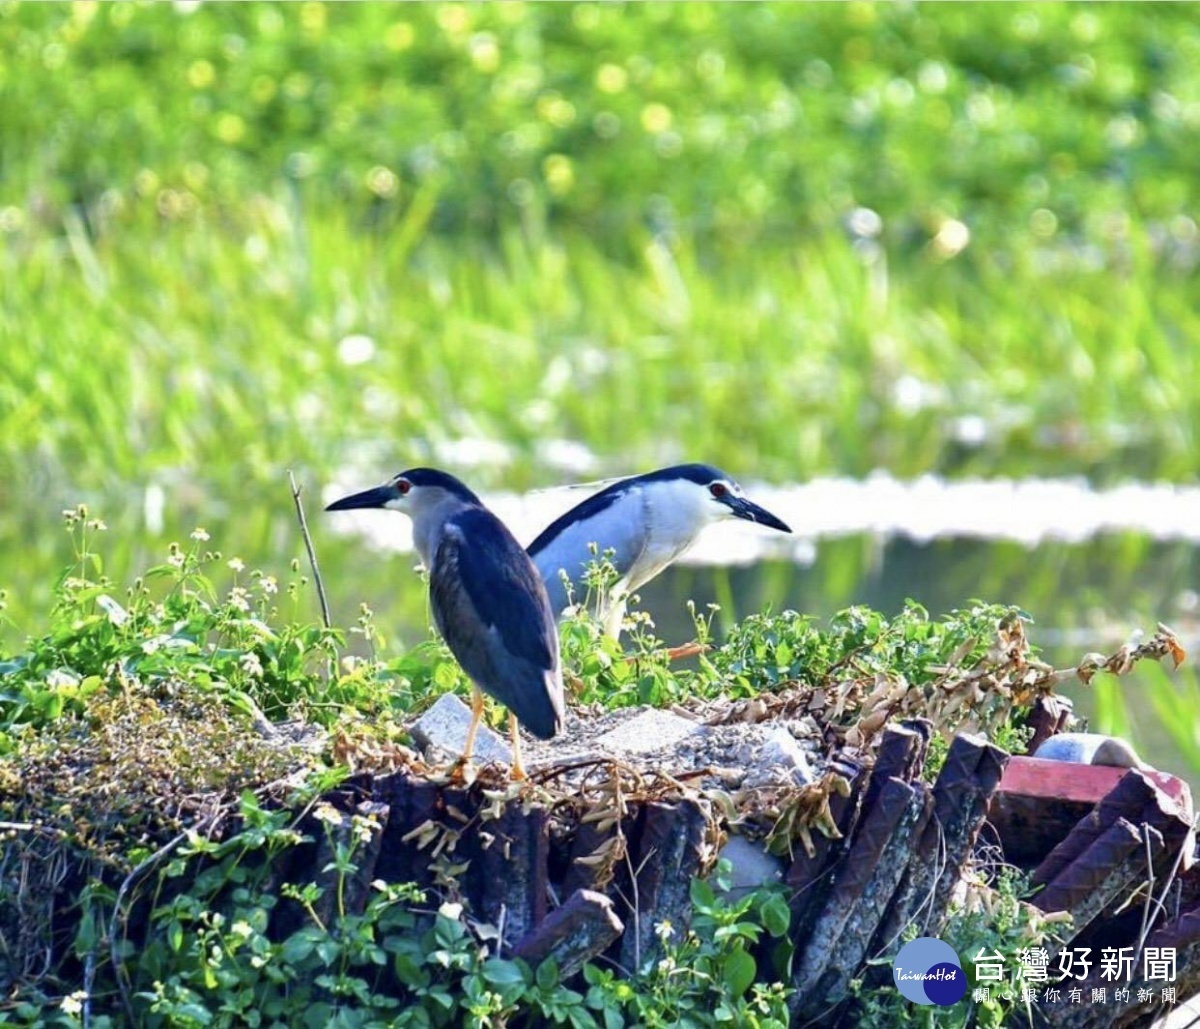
x: 702, y: 474
x: 440, y: 479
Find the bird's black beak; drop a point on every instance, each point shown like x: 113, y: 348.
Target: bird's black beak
x: 376, y: 497
x: 751, y: 512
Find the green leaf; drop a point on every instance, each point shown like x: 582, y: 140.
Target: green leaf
x: 50, y: 704
x: 502, y: 973
x: 776, y: 915
x: 702, y: 894
x: 297, y: 947
x: 547, y: 974
x: 739, y: 970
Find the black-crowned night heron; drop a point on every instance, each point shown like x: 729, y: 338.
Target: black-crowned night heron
x: 487, y: 598
x: 647, y: 521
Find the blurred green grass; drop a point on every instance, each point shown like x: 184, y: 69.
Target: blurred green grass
x: 184, y: 342
x: 789, y: 238
x: 734, y: 117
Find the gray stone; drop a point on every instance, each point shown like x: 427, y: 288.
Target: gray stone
x: 650, y: 731
x: 750, y: 866
x: 1089, y: 748
x: 445, y: 726
x: 780, y: 759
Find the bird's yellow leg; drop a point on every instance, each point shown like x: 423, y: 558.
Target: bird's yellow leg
x: 518, y: 770
x: 476, y: 717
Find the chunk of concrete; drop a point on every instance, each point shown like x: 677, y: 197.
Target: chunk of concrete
x: 750, y: 866
x: 780, y: 758
x: 445, y: 726
x: 649, y: 731
x: 1089, y: 748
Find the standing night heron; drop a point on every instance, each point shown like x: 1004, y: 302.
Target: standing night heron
x: 487, y: 599
x: 647, y: 521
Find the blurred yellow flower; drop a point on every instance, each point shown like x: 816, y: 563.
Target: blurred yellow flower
x: 313, y: 18
x: 611, y: 78
x: 263, y: 89
x: 84, y: 10
x: 559, y: 173
x: 484, y: 51
x: 554, y: 109
x: 453, y: 19
x: 230, y: 128
x: 656, y: 117
x: 201, y: 74
x: 399, y: 36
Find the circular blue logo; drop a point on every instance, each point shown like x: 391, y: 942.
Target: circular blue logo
x: 927, y: 971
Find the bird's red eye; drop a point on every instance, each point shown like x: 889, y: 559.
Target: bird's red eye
x: 718, y: 489
x: 403, y: 486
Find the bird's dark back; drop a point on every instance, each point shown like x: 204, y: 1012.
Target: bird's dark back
x: 491, y: 607
x: 597, y: 502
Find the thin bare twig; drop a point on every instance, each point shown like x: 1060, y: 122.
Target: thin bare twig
x: 312, y: 554
x: 1161, y: 902
x: 115, y: 922
x: 1147, y: 917
x: 500, y: 930
x: 89, y: 981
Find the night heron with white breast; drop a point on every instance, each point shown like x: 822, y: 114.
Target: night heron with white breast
x: 646, y: 522
x: 488, y: 601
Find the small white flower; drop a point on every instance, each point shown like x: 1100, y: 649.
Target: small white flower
x: 236, y: 564
x: 238, y: 598
x: 72, y: 1004
x: 327, y: 813
x: 664, y: 930
x: 364, y: 827
x: 199, y: 535
x: 242, y: 928
x: 251, y: 665
x: 269, y: 584
x: 175, y: 559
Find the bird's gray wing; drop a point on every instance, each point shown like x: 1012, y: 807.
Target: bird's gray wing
x: 490, y: 607
x: 612, y: 520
